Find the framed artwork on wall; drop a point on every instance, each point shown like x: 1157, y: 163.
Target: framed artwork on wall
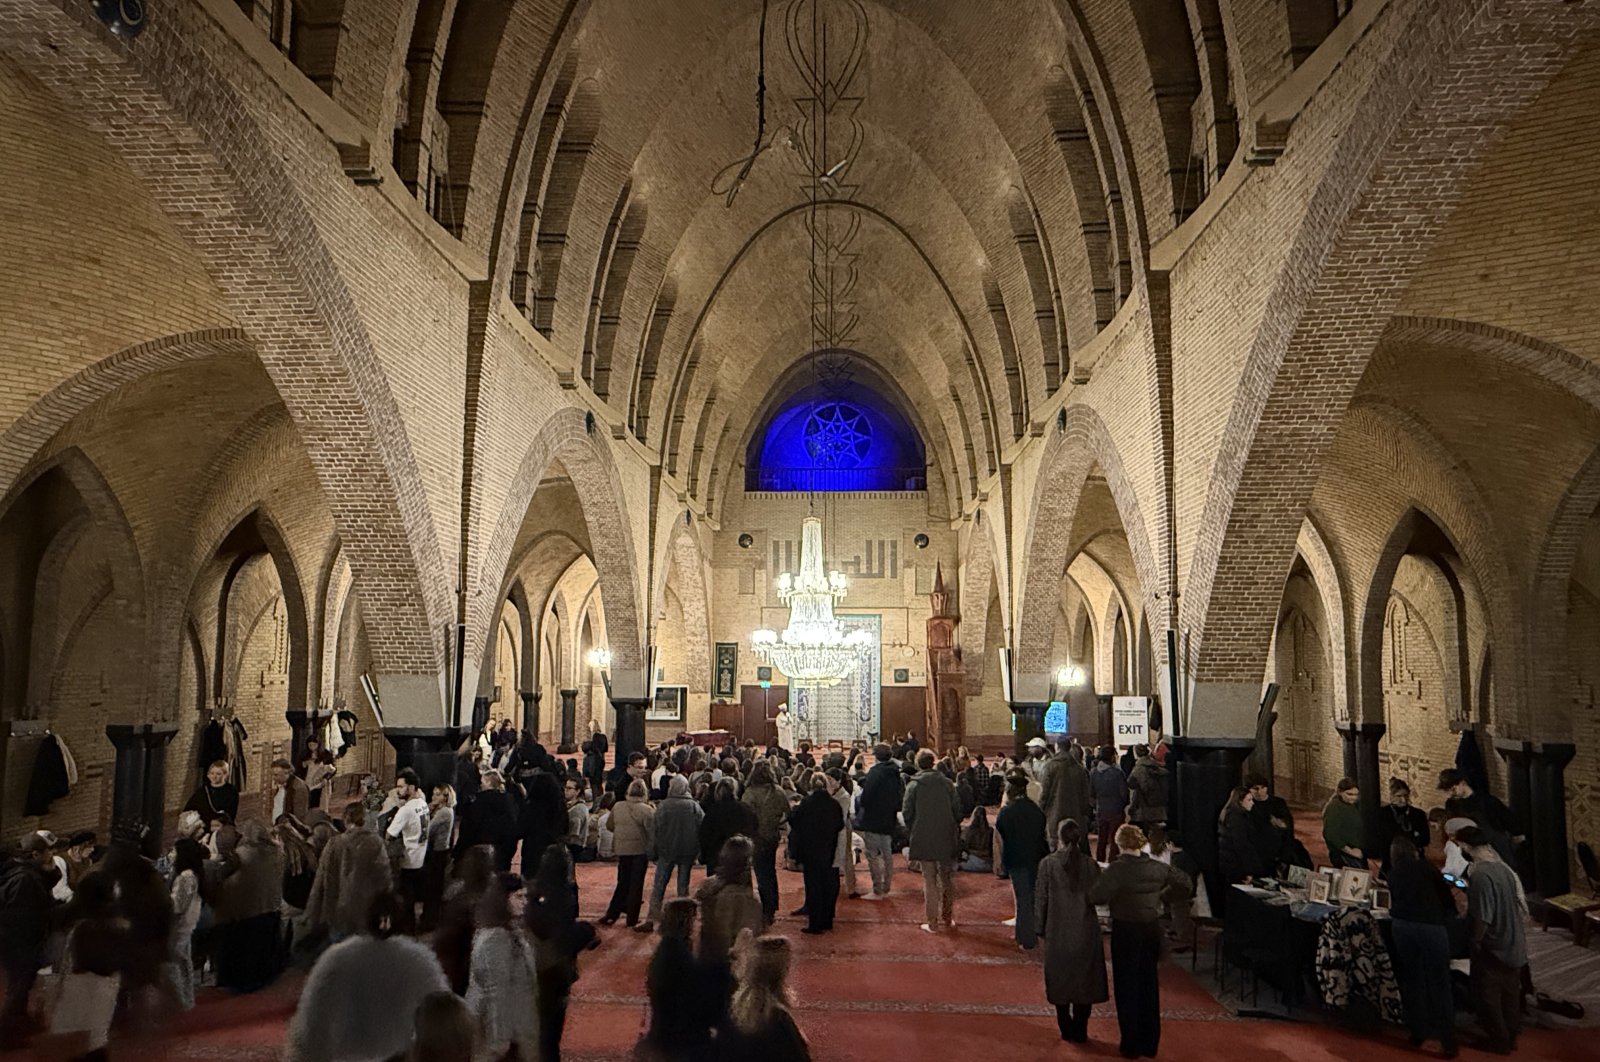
x: 727, y: 673
x: 668, y: 704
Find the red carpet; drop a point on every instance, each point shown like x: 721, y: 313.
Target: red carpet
x: 876, y: 988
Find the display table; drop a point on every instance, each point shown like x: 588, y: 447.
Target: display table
x: 710, y: 739
x: 1274, y: 934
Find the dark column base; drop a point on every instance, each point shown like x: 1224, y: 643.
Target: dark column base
x: 1361, y: 763
x: 1547, y: 816
x: 429, y: 750
x: 1030, y: 725
x: 1205, y: 772
x: 569, y: 717
x: 530, y: 709
x: 630, y: 725
x: 138, y: 795
x: 302, y: 724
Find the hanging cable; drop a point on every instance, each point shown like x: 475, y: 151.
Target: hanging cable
x: 744, y: 165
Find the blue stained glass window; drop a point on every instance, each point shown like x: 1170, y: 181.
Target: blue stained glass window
x: 818, y: 440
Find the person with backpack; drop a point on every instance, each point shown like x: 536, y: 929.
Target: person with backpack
x: 1148, y: 786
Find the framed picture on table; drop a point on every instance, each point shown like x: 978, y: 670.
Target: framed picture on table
x: 1319, y: 888
x: 1352, y: 885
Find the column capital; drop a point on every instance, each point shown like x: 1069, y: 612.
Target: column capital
x: 1351, y: 728
x: 146, y: 735
x: 1554, y: 753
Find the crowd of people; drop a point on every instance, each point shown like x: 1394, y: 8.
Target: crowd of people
x: 419, y: 882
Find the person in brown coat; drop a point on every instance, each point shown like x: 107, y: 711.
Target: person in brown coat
x: 1074, y: 961
x: 354, y: 868
x: 290, y: 795
x: 728, y: 904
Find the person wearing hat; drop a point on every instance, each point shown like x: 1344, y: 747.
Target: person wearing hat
x: 1485, y: 809
x: 27, y: 875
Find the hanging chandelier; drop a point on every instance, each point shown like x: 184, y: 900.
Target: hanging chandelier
x: 814, y: 649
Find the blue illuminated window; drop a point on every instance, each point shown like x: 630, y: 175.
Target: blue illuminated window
x: 819, y: 441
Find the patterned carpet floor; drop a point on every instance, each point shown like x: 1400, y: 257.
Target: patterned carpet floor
x: 876, y: 988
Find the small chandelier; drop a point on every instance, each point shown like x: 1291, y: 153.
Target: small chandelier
x: 814, y: 649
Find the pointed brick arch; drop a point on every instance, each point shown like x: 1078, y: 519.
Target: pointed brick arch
x: 1437, y: 101
x: 566, y: 437
x: 1070, y: 455
x: 181, y: 127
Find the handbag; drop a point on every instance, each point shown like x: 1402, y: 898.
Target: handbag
x: 84, y: 1003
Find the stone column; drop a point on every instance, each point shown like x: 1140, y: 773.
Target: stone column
x: 480, y: 714
x: 530, y: 709
x: 138, y: 794
x: 569, y: 718
x: 429, y: 750
x: 1204, y: 772
x: 1547, y: 816
x: 1361, y: 763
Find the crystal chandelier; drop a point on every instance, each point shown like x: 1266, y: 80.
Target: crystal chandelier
x: 814, y: 649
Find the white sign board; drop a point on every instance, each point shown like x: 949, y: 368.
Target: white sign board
x: 1130, y: 721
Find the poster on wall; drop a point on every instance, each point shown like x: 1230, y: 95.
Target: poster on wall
x: 727, y: 669
x: 667, y: 705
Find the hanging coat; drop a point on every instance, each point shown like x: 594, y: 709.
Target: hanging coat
x: 346, y: 721
x: 212, y: 746
x: 49, y: 781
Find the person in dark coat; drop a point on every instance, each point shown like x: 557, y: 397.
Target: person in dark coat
x: 1109, y: 786
x: 1147, y: 790
x: 544, y: 818
x: 1137, y: 889
x: 726, y: 816
x: 1483, y: 808
x: 882, y: 791
x: 552, y: 916
x: 1238, y: 858
x: 1074, y: 959
x: 494, y: 820
x: 1421, y: 907
x: 814, y: 827
x: 686, y: 1000
x: 1065, y: 793
x: 215, y: 796
x: 594, y: 757
x: 26, y: 876
x: 1020, y: 825
x: 1398, y: 819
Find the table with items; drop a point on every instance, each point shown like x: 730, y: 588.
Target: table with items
x: 1276, y: 932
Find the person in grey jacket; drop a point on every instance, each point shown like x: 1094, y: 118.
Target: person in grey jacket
x: 1137, y: 888
x: 933, y: 819
x: 1065, y: 793
x: 677, y: 845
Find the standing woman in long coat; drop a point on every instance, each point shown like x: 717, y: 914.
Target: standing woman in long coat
x: 1074, y: 959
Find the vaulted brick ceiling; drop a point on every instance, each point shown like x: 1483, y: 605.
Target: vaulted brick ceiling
x: 979, y: 266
